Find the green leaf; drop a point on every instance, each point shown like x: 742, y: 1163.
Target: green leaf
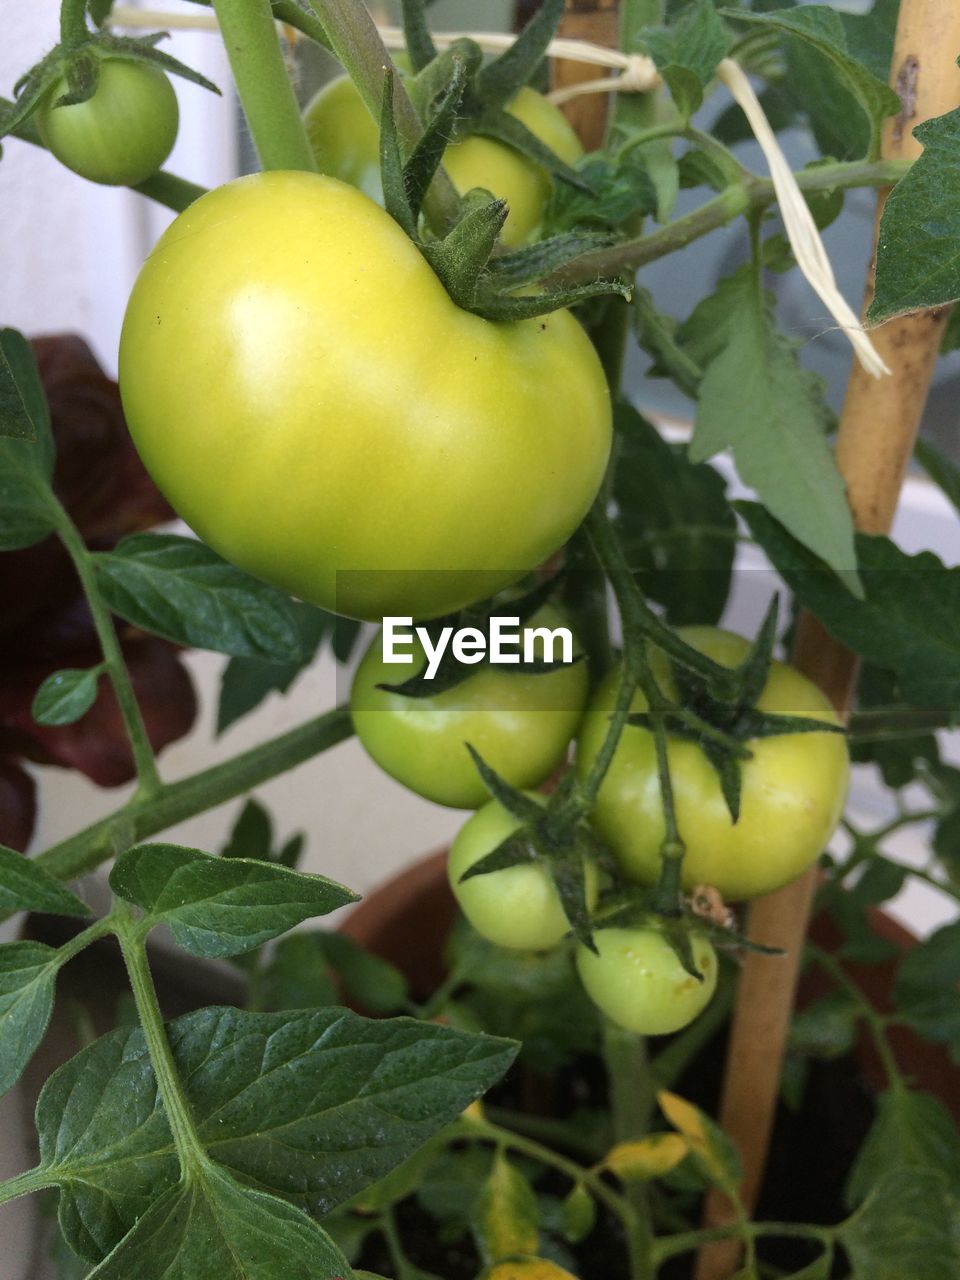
x: 506, y: 1219
x: 20, y: 400
x: 618, y: 192
x: 66, y: 695
x: 911, y: 1131
x: 211, y: 1228
x: 925, y: 990
x: 28, y: 510
x: 687, y: 54
x: 251, y: 835
x: 178, y: 588
x: 908, y: 620
x: 820, y: 26
x: 311, y: 1106
x: 294, y: 977
x: 247, y: 681
x: 579, y: 1214
x: 374, y: 983
x: 26, y: 886
x: 678, y: 531
x: 908, y: 1227
x: 940, y: 469
x: 756, y: 399
x: 827, y: 1028
x: 918, y: 250
x: 220, y: 906
x: 28, y: 975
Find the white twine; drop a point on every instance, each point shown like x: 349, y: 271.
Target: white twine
x: 637, y: 74
x: 802, y: 232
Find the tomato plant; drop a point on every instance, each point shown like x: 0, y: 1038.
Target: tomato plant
x: 346, y: 142
x: 637, y: 979
x: 123, y: 133
x: 794, y: 786
x: 521, y: 723
x: 518, y: 907
x: 362, y: 476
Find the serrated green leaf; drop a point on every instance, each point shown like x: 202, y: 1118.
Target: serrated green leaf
x: 687, y: 53
x: 178, y: 588
x: 506, y: 1220
x: 28, y: 975
x: 925, y: 989
x: 757, y: 400
x: 911, y: 1131
x: 26, y: 886
x: 211, y: 1228
x: 220, y: 906
x: 66, y: 695
x: 820, y: 26
x: 311, y: 1106
x: 918, y: 248
x: 678, y: 531
x: 909, y: 1226
x: 908, y: 621
x: 618, y: 191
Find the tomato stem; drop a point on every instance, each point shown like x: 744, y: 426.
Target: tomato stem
x: 263, y: 85
x: 73, y: 23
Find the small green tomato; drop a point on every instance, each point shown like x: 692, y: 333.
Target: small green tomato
x: 637, y: 979
x: 518, y: 907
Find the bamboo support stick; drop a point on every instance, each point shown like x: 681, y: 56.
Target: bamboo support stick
x: 875, y: 440
x: 598, y: 22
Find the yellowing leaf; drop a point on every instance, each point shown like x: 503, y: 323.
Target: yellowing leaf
x: 649, y: 1158
x: 507, y: 1218
x: 528, y: 1269
x: 710, y: 1146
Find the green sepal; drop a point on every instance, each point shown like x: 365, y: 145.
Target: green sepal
x: 729, y: 774
x: 515, y: 851
x: 460, y: 257
x: 765, y: 724
x: 395, y: 199
x: 568, y: 871
x: 424, y: 160
x: 536, y: 261
x: 494, y: 306
x: 676, y: 932
x: 83, y: 79
x: 515, y: 802
x: 500, y: 79
x: 416, y: 33
x: 755, y: 667
x: 29, y: 92
x: 430, y: 83
x: 142, y: 49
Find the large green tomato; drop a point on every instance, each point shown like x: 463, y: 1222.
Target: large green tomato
x: 518, y: 907
x: 310, y: 400
x: 346, y: 142
x: 794, y: 787
x: 637, y: 979
x: 123, y: 133
x: 520, y: 723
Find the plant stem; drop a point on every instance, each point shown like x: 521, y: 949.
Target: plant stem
x: 201, y: 791
x: 291, y: 14
x: 585, y: 796
x: 888, y: 724
x: 73, y: 23
x: 189, y: 1148
x: 754, y: 195
x: 263, y: 85
x: 875, y: 1022
x: 24, y: 1184
x: 149, y: 778
x: 558, y: 1133
x: 356, y: 41
x: 631, y: 1088
x: 686, y: 1241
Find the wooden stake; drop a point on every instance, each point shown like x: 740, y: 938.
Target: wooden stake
x: 598, y: 22
x: 875, y: 441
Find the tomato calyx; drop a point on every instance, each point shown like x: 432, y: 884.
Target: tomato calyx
x: 451, y: 672
x: 549, y: 839
x: 464, y: 257
x: 79, y: 65
x: 724, y: 723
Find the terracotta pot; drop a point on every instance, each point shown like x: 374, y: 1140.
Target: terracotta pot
x: 407, y: 919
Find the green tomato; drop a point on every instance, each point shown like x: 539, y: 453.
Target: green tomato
x: 518, y: 907
x: 520, y: 723
x: 346, y: 142
x: 123, y: 133
x: 794, y: 787
x: 638, y: 981
x: 307, y: 396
